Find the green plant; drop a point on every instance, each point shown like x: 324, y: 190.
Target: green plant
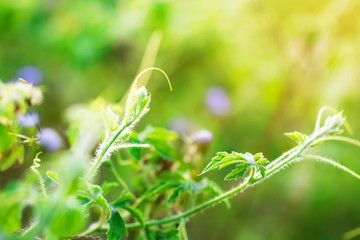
x: 72, y: 205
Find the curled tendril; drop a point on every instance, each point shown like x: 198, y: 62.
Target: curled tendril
x: 34, y: 168
x: 150, y: 69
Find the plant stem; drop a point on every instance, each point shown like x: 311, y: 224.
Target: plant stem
x: 296, y: 154
x: 344, y: 139
x: 117, y: 176
x: 280, y: 162
x: 351, y: 234
x: 98, y: 161
x: 183, y: 230
x: 290, y: 156
x: 282, y: 157
x: 194, y: 210
x: 335, y: 164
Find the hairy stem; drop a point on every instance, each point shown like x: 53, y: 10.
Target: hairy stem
x: 34, y: 167
x: 344, y: 139
x: 331, y: 162
x: 282, y: 157
x: 196, y: 209
x: 289, y: 156
x: 107, y: 146
x: 295, y: 154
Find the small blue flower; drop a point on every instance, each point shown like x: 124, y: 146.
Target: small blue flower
x: 202, y: 137
x: 50, y: 139
x: 217, y: 101
x: 30, y: 119
x: 31, y: 74
x: 181, y: 125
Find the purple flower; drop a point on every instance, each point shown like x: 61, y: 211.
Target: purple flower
x: 50, y: 139
x: 31, y: 74
x: 29, y: 119
x: 217, y: 101
x: 202, y: 137
x: 181, y: 126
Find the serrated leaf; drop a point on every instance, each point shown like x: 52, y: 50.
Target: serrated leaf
x: 243, y: 160
x: 239, y: 171
x: 117, y: 226
x: 223, y: 159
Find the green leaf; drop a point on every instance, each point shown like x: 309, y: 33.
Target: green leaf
x: 333, y: 124
x: 53, y: 176
x: 162, y: 187
x: 124, y: 198
x: 108, y: 186
x: 262, y: 161
x: 97, y: 197
x: 223, y: 159
x: 83, y: 199
x: 68, y: 219
x: 6, y: 139
x: 176, y: 176
x: 8, y: 159
x: 135, y: 151
x: 100, y: 200
x: 137, y: 104
x: 244, y: 162
x: 161, y: 140
x: 176, y: 193
x: 10, y: 216
x: 239, y: 171
x: 117, y: 226
x: 111, y: 120
x: 296, y: 136
x: 262, y: 171
x: 136, y: 213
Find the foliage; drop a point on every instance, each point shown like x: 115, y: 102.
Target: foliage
x: 72, y: 204
x: 15, y: 100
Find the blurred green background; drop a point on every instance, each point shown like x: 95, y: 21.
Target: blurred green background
x: 245, y: 70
